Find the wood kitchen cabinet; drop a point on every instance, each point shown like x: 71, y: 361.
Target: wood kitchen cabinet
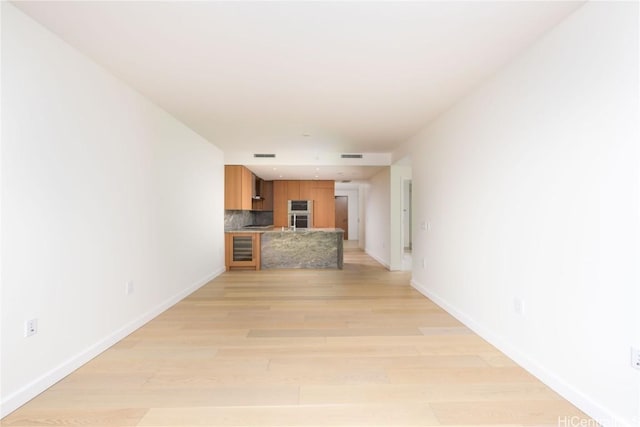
x: 238, y: 183
x: 267, y: 195
x: 324, y: 204
x: 321, y: 192
x: 242, y: 251
x: 280, y: 189
x: 306, y: 189
x: 264, y: 189
x: 293, y: 190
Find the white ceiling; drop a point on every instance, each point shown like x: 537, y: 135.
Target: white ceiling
x: 338, y: 173
x: 294, y: 76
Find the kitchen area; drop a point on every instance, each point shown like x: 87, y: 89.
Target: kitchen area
x: 280, y: 223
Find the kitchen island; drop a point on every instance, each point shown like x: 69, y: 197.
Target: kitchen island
x: 302, y: 248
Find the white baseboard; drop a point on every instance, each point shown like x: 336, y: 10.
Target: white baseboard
x: 29, y: 391
x: 378, y: 259
x: 585, y: 403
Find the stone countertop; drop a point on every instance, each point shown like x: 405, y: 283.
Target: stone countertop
x: 305, y: 230
x: 249, y: 230
x: 272, y: 229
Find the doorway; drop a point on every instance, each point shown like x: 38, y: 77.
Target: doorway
x: 407, y: 243
x: 406, y: 216
x: 342, y: 214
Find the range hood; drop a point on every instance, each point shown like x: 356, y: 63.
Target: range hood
x: 256, y: 188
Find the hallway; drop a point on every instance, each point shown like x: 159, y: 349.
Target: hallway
x: 300, y: 347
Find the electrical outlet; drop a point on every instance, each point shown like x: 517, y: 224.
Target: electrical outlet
x: 518, y: 306
x: 129, y: 287
x: 30, y: 328
x: 424, y: 263
x: 635, y: 357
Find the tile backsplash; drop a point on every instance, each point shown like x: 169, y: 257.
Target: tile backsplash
x: 234, y: 220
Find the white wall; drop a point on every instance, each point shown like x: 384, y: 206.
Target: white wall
x: 99, y: 187
x: 531, y: 187
x: 377, y: 219
x: 398, y: 175
x: 362, y: 211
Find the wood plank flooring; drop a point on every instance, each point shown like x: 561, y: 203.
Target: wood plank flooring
x: 357, y: 347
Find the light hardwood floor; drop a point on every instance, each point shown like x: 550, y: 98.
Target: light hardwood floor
x: 357, y: 347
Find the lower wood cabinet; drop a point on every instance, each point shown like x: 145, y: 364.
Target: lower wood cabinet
x: 242, y: 251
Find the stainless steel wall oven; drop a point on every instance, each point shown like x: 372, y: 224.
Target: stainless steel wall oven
x: 300, y: 213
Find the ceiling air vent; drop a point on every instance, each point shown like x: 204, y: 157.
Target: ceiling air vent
x: 351, y: 156
x: 264, y: 156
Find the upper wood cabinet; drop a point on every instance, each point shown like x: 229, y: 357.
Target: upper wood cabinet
x: 238, y: 182
x: 306, y: 189
x: 240, y: 185
x: 264, y: 189
x: 321, y: 192
x: 267, y: 195
x: 293, y: 190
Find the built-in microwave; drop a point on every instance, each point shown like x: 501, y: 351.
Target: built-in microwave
x: 300, y: 206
